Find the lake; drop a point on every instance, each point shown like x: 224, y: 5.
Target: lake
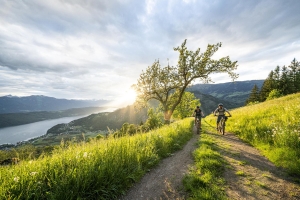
x: 14, y: 134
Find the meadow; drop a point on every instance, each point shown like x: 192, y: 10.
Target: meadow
x: 98, y: 169
x: 106, y: 168
x: 273, y: 127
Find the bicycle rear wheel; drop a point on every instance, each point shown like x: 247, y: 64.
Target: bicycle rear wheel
x: 223, y: 127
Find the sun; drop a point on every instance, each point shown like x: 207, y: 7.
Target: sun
x: 129, y: 96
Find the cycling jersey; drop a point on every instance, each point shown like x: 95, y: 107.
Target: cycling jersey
x: 198, y: 113
x: 221, y: 111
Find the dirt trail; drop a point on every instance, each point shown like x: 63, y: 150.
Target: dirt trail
x: 252, y: 176
x: 248, y: 175
x: 165, y: 181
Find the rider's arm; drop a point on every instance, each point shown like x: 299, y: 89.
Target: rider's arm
x: 215, y: 112
x: 228, y: 112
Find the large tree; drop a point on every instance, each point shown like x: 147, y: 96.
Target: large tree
x: 168, y: 84
x: 254, y: 95
x: 294, y: 76
x: 267, y: 87
x: 285, y: 82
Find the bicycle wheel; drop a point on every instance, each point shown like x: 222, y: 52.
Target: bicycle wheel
x: 222, y: 126
x: 219, y: 127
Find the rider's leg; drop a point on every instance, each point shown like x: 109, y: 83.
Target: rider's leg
x: 218, y: 120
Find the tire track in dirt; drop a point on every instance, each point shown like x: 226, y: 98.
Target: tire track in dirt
x: 251, y: 176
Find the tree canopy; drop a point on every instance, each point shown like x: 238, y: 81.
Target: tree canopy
x: 168, y: 84
x: 187, y: 104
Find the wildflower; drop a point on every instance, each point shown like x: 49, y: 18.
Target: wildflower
x: 85, y: 154
x: 33, y: 173
x: 16, y: 179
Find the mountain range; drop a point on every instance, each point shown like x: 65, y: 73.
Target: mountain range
x: 35, y: 103
x: 21, y: 110
x: 232, y: 95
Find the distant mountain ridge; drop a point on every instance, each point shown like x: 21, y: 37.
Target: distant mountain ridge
x: 36, y: 103
x: 234, y: 94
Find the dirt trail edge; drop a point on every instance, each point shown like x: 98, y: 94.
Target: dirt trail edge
x: 248, y: 175
x: 165, y: 180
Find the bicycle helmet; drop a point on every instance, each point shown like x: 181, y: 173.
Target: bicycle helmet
x: 220, y: 104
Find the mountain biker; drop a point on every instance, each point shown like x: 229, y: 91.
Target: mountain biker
x: 198, y: 114
x: 221, y: 112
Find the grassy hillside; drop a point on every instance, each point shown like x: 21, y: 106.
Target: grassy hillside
x: 273, y: 127
x: 102, y: 121
x: 99, y: 169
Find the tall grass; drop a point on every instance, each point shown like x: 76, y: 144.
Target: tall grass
x: 273, y: 127
x: 99, y: 169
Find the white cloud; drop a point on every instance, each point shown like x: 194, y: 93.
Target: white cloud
x: 95, y: 49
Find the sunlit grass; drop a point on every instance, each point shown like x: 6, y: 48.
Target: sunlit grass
x: 242, y: 163
x: 99, y: 169
x: 205, y: 180
x: 240, y: 173
x: 273, y: 127
x: 260, y: 184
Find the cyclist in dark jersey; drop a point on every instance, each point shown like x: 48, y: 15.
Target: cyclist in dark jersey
x: 198, y: 114
x: 221, y: 112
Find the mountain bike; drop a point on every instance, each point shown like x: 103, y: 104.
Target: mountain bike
x: 198, y: 128
x: 222, y: 124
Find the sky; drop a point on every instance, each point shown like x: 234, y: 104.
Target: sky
x: 96, y: 49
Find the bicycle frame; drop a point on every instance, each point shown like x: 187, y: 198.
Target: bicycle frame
x: 198, y: 125
x: 221, y: 125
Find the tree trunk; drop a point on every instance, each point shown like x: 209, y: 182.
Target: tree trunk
x: 167, y: 116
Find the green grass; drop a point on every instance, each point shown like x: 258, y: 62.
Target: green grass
x: 205, y: 181
x: 240, y: 173
x: 272, y: 127
x: 99, y: 169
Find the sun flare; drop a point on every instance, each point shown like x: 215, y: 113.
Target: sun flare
x: 129, y: 96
